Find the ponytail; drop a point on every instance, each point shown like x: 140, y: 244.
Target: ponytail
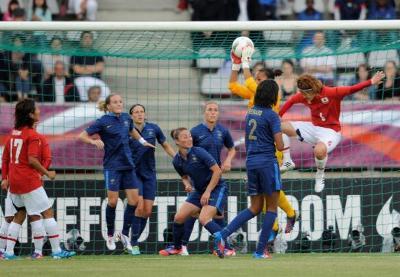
x: 102, y: 106
x: 175, y: 132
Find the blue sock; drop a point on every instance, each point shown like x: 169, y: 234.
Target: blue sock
x: 269, y: 220
x: 143, y: 223
x: 110, y: 219
x: 220, y: 221
x: 129, y: 213
x: 189, y: 224
x: 212, y: 227
x: 238, y: 221
x: 136, y: 227
x: 178, y: 231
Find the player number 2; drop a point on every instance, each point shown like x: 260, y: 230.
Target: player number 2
x: 253, y: 124
x: 18, y: 144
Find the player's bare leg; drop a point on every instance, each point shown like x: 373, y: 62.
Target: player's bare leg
x: 288, y: 132
x: 321, y: 157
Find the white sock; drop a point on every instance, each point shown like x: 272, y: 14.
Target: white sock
x: 12, y: 237
x: 286, y: 149
x: 321, y: 163
x: 3, y: 235
x: 38, y: 234
x: 51, y: 227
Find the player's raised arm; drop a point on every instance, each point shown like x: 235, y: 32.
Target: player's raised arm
x: 347, y: 90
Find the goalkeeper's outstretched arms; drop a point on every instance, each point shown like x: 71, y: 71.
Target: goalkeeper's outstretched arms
x: 234, y: 86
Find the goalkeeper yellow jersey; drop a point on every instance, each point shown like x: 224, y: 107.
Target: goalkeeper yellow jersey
x: 248, y: 91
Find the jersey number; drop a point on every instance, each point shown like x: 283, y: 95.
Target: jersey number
x: 17, y: 143
x: 322, y: 117
x: 253, y: 124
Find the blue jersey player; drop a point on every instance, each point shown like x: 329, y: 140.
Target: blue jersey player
x: 197, y: 165
x: 213, y: 137
x: 144, y: 158
x: 263, y: 131
x: 115, y: 128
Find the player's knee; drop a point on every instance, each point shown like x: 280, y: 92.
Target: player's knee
x: 48, y: 213
x: 33, y: 218
x: 112, y: 202
x: 179, y: 218
x: 255, y: 208
x: 320, y: 151
x: 204, y: 219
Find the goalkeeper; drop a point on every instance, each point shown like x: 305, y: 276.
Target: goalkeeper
x: 248, y: 91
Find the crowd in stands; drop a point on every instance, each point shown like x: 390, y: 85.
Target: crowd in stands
x: 51, y: 76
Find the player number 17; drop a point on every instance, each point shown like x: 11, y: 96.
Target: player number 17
x: 18, y: 144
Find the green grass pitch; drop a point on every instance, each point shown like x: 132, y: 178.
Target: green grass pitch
x: 363, y: 264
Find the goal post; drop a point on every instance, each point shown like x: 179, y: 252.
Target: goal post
x: 173, y: 68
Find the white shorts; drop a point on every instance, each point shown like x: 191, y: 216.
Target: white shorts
x: 313, y: 134
x: 35, y: 202
x: 9, y: 209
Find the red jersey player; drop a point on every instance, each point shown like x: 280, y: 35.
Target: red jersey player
x: 21, y: 172
x: 323, y: 132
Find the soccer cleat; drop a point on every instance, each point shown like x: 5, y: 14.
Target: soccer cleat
x: 230, y: 253
x: 63, y: 254
x: 291, y: 221
x: 319, y: 181
x: 10, y: 257
x: 286, y: 166
x: 111, y: 243
x: 125, y: 241
x: 135, y: 251
x: 219, y: 244
x: 170, y: 251
x: 265, y: 255
x: 185, y: 252
x: 36, y: 256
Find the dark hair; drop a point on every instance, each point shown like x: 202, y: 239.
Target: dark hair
x: 23, y: 109
x: 102, y: 106
x: 271, y: 74
x: 12, y: 2
x: 367, y: 68
x: 266, y: 94
x: 86, y: 32
x: 288, y: 61
x: 44, y: 7
x: 19, y: 12
x: 176, y: 132
x: 136, y: 105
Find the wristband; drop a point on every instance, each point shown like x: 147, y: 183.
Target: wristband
x: 235, y: 66
x: 246, y: 64
x: 142, y: 140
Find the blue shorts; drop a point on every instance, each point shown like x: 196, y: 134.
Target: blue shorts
x: 218, y: 198
x: 148, y: 185
x: 264, y: 180
x: 117, y: 180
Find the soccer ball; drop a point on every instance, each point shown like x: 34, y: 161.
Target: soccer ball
x: 239, y: 43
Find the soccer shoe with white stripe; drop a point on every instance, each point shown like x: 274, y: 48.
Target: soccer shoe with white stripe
x: 286, y: 166
x: 219, y: 244
x: 319, y: 181
x: 36, y: 256
x: 10, y: 257
x: 63, y: 254
x: 170, y: 251
x: 265, y: 255
x: 111, y: 243
x: 135, y: 251
x: 185, y: 251
x: 125, y: 241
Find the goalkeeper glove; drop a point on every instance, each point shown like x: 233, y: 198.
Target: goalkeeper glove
x: 247, y: 52
x: 236, y: 61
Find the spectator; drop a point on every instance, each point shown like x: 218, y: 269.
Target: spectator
x: 19, y: 71
x: 350, y: 10
x: 310, y: 13
x: 85, y: 83
x: 58, y: 87
x: 94, y: 94
x: 19, y: 14
x: 12, y: 6
x: 382, y: 9
x: 88, y: 65
x: 390, y: 87
x: 49, y: 60
x: 285, y: 9
x: 83, y: 9
x: 288, y: 79
x: 363, y: 73
x: 39, y: 11
x: 322, y: 66
x: 262, y: 9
